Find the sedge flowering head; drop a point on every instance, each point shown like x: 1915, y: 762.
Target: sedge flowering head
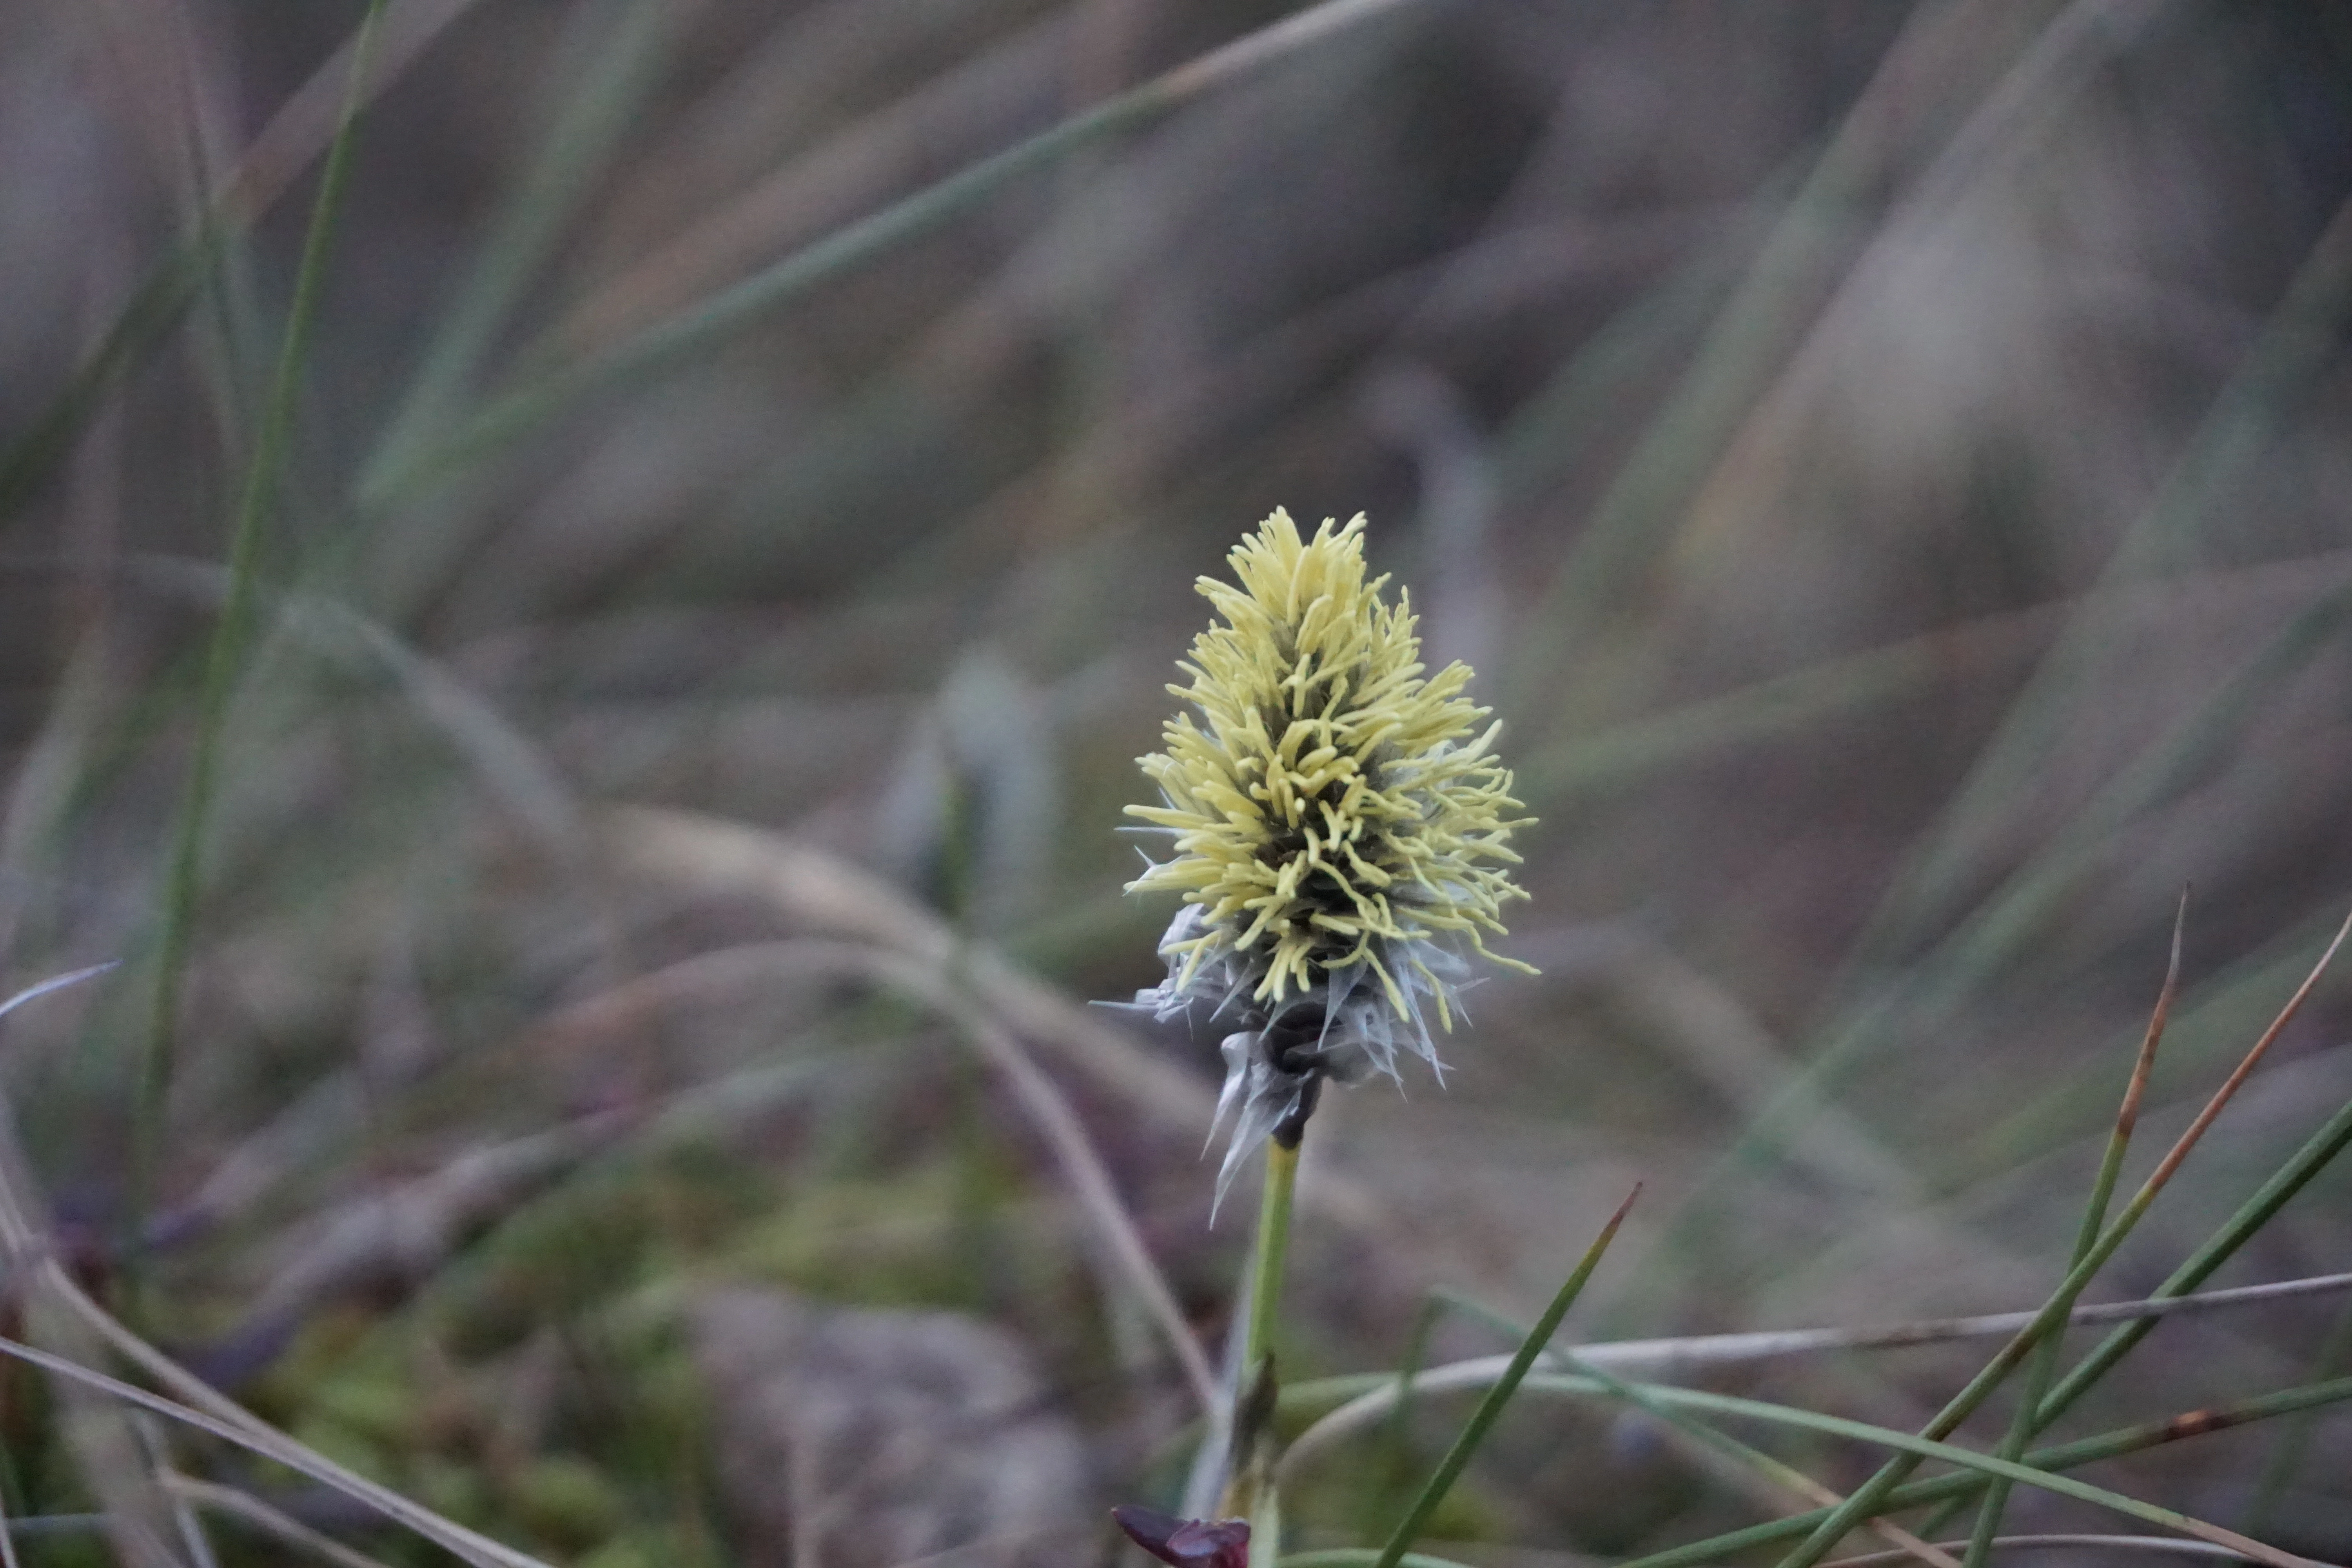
x: 1340, y: 831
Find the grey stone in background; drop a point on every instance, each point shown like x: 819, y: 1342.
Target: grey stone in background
x: 854, y: 1438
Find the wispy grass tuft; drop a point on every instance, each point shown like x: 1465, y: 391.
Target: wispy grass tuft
x: 224, y: 655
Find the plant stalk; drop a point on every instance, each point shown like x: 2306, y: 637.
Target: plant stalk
x: 1249, y: 1478
x: 184, y: 875
x: 1273, y: 1248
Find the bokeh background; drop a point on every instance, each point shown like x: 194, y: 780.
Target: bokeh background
x: 1888, y: 464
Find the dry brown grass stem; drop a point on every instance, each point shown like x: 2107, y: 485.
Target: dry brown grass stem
x: 1770, y: 1485
x: 1907, y: 1547
x: 826, y: 185
x: 128, y: 1477
x: 270, y: 1521
x: 107, y: 1450
x: 304, y: 124
x: 1665, y: 1357
x: 826, y: 894
x: 942, y: 981
x: 223, y: 1418
x: 1043, y: 1102
x: 2165, y: 1544
x: 2230, y: 1085
x: 1658, y: 1356
x: 136, y: 1516
x: 2135, y: 1090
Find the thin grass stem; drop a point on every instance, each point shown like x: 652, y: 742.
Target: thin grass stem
x: 2317, y: 1154
x: 1778, y: 1478
x: 159, y: 302
x: 2056, y: 1458
x: 2287, y: 1459
x: 233, y: 1425
x: 9, y: 1482
x: 2279, y: 368
x: 2165, y: 1544
x: 1250, y: 1491
x: 668, y: 343
x: 1272, y: 1248
x: 228, y: 1502
x: 1782, y: 1476
x: 2044, y: 1368
x: 2040, y: 1469
x: 1362, y: 1557
x: 1361, y: 1399
x: 1913, y: 1494
x: 604, y: 76
x: 1872, y: 1493
x: 1416, y: 1350
x: 1490, y: 1408
x: 1989, y: 1467
x: 183, y: 878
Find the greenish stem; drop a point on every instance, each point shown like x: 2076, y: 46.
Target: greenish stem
x: 2043, y: 1371
x: 2318, y: 1152
x: 2279, y: 1473
x: 1911, y: 1494
x: 1250, y: 1491
x: 1866, y: 1500
x: 1490, y: 1408
x: 2257, y: 1212
x: 1272, y: 1248
x: 508, y: 417
x: 184, y: 877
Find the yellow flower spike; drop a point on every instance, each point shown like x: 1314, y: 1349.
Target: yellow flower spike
x: 1340, y: 825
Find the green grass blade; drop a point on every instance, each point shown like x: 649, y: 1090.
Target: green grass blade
x: 2040, y: 1466
x: 1785, y: 1477
x: 1884, y: 1491
x: 2281, y: 370
x: 2291, y: 1178
x: 2044, y: 1368
x: 670, y: 343
x: 1416, y: 1351
x: 1985, y: 1465
x: 1777, y: 1473
x: 2015, y: 915
x: 1273, y: 1251
x: 1362, y: 1557
x: 1250, y: 1492
x: 1797, y: 272
x: 155, y: 307
x: 160, y: 303
x: 2286, y: 1456
x: 185, y: 876
x: 604, y: 77
x: 2276, y: 374
x: 2057, y: 1458
x: 1490, y: 1408
x: 1865, y: 1499
x: 2050, y: 1461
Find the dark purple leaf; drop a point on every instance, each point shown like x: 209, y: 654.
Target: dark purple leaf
x: 1187, y: 1543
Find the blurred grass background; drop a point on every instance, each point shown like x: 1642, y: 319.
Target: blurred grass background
x: 1886, y: 463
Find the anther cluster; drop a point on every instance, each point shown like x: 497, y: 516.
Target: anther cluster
x: 1340, y: 830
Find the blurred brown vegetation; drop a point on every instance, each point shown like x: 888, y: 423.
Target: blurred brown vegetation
x: 1888, y: 464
